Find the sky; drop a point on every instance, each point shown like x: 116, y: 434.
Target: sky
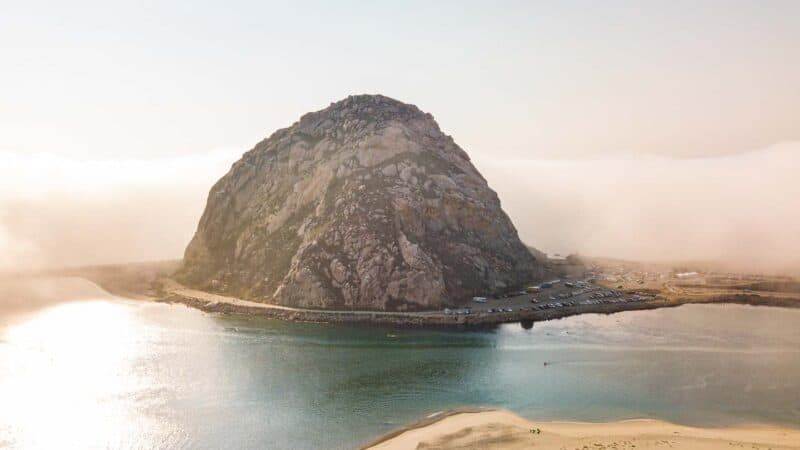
x: 605, y: 127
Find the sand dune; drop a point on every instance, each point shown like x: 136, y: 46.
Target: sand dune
x: 505, y: 430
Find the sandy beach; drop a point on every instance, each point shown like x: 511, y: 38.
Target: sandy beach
x: 498, y: 429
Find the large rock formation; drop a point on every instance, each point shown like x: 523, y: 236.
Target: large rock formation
x: 364, y: 205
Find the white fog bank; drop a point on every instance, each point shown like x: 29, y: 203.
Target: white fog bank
x: 57, y: 211
x: 744, y: 208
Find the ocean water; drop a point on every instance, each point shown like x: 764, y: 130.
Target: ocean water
x: 95, y: 371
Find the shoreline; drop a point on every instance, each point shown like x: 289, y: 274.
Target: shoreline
x: 215, y: 303
x: 428, y: 420
x: 498, y: 428
x: 152, y: 281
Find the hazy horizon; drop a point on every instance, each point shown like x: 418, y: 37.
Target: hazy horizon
x: 661, y: 133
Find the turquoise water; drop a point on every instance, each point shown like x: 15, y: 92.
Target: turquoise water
x: 103, y: 372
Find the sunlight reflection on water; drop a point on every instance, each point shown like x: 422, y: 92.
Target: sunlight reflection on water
x: 104, y: 372
x: 73, y: 381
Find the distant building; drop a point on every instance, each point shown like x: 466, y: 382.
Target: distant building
x: 557, y: 259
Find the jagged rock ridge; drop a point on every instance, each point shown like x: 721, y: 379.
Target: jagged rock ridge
x: 363, y: 205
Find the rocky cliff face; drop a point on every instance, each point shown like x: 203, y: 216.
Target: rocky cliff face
x: 364, y: 205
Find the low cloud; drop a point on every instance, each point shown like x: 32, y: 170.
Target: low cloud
x: 57, y: 211
x: 742, y: 209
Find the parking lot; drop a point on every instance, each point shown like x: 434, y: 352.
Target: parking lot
x: 561, y: 294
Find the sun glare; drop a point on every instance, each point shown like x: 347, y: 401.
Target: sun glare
x: 74, y: 380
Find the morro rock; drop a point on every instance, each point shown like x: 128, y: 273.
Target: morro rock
x: 364, y: 205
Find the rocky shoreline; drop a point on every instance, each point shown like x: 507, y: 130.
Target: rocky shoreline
x: 225, y: 305
x: 152, y: 281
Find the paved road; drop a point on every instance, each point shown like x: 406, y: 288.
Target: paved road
x: 171, y: 286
